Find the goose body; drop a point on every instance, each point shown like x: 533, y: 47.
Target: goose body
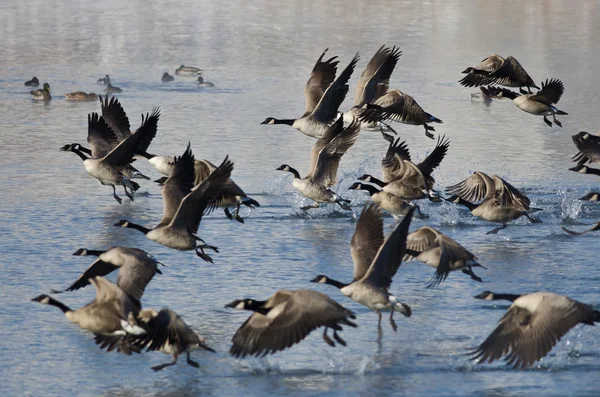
x: 42, y: 94
x: 396, y: 206
x: 81, y: 96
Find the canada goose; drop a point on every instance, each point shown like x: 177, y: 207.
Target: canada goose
x: 591, y: 196
x: 34, y: 82
x: 374, y: 81
x: 166, y: 332
x: 531, y: 326
x: 400, y: 107
x: 588, y: 146
x: 136, y: 269
x: 434, y: 248
x: 325, y: 159
x: 596, y: 227
x: 112, y: 89
x: 411, y: 189
x: 285, y: 319
x: 41, y: 94
x: 540, y: 103
x: 497, y: 70
x: 106, y: 314
x: 501, y: 203
x: 387, y: 201
x: 584, y: 169
x: 184, y: 206
x: 104, y: 81
x: 319, y: 113
x: 375, y: 263
x: 108, y: 169
x: 81, y: 96
x: 204, y: 84
x: 187, y: 71
x: 166, y: 78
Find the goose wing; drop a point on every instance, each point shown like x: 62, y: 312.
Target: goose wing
x: 391, y: 165
x: 326, y: 109
x: 434, y: 159
x: 178, y: 186
x: 506, y: 195
x: 399, y: 107
x: 101, y: 137
x: 390, y: 254
x: 525, y: 336
x: 136, y: 142
x: 167, y: 328
x: 475, y: 188
x: 147, y: 130
x: 419, y: 241
x: 510, y: 73
x: 375, y: 79
x: 329, y: 157
x: 115, y: 116
x: 367, y: 238
x: 321, y: 77
x: 373, y: 66
x: 202, y: 169
x: 231, y: 190
x: 550, y: 93
x: 202, y: 199
x: 588, y: 146
x: 136, y: 274
x: 98, y: 268
x: 288, y: 322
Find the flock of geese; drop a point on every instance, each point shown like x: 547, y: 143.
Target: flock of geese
x: 43, y: 94
x: 192, y: 188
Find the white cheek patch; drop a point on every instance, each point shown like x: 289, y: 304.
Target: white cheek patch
x: 322, y: 280
x: 240, y: 306
x: 45, y: 301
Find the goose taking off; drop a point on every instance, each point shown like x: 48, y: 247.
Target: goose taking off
x: 285, y: 319
x: 497, y: 70
x: 184, y: 205
x: 322, y: 111
x: 501, y: 202
x: 136, y: 269
x: 434, y: 248
x: 531, y: 327
x: 588, y: 146
x: 324, y: 162
x: 375, y: 263
x: 541, y: 103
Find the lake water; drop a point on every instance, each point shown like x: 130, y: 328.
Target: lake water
x: 259, y: 55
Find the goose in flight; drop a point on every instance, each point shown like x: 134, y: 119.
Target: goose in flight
x: 497, y: 70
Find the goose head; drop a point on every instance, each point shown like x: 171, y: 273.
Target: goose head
x: 486, y: 296
x: 269, y: 120
x: 320, y: 279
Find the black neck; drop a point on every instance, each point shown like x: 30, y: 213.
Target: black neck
x: 335, y: 283
x: 135, y: 226
x: 284, y: 121
x: 257, y: 306
x: 376, y: 181
x: 87, y: 252
x: 293, y: 171
x: 412, y: 253
x: 146, y: 155
x: 508, y: 297
x: 85, y: 150
x: 467, y: 204
x: 60, y: 305
x: 593, y: 171
x: 80, y: 154
x: 370, y: 188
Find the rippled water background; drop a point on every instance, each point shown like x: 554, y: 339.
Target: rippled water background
x: 259, y: 55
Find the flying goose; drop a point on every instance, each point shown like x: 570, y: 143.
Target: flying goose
x: 325, y: 159
x: 187, y: 71
x: 387, y: 201
x: 34, y: 82
x: 594, y: 228
x: 375, y: 263
x: 109, y: 169
x: 107, y: 314
x: 434, y: 248
x: 318, y: 115
x: 111, y: 89
x: 41, y: 94
x: 398, y: 106
x: 184, y: 205
x: 540, y: 103
x: 374, y: 81
x: 231, y: 196
x: 165, y: 331
x: 166, y: 78
x: 497, y: 70
x: 588, y: 146
x: 104, y: 81
x: 136, y: 269
x: 204, y: 84
x: 81, y: 96
x: 501, y: 203
x: 531, y: 327
x: 285, y: 319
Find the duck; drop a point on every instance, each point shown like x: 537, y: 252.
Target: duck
x: 320, y: 111
x: 187, y: 71
x: 108, y: 169
x: 81, y: 96
x: 501, y: 202
x: 34, y: 82
x: 136, y: 269
x: 166, y: 78
x: 588, y: 146
x: 540, y: 104
x: 497, y: 70
x: 184, y: 205
x: 376, y: 261
x: 286, y: 318
x: 394, y: 205
x: 430, y: 246
x: 325, y: 159
x: 204, y: 84
x: 531, y: 326
x: 400, y: 107
x: 104, y: 81
x: 41, y: 94
x: 112, y: 89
